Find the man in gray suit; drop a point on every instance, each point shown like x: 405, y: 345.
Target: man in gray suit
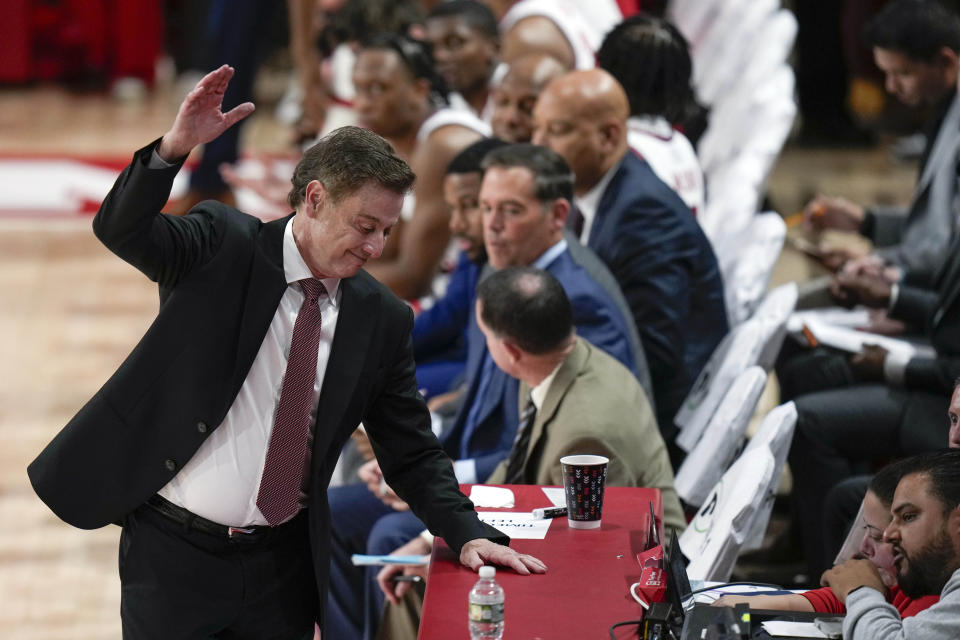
x: 915, y: 44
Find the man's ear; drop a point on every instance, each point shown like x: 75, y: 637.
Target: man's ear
x: 559, y: 211
x: 422, y: 89
x: 315, y: 197
x: 953, y: 529
x: 611, y: 132
x: 948, y: 58
x: 513, y: 351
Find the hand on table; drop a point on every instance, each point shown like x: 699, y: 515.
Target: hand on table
x: 850, y: 575
x: 396, y: 590
x: 200, y: 118
x: 480, y: 551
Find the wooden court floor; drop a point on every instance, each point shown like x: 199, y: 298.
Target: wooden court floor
x: 70, y: 312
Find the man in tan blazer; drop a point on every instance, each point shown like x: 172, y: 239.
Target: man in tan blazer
x: 574, y: 399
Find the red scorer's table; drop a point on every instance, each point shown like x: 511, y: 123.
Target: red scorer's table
x: 585, y: 589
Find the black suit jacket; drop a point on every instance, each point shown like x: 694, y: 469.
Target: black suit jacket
x: 221, y: 278
x: 933, y: 304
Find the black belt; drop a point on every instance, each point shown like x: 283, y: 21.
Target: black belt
x: 191, y: 520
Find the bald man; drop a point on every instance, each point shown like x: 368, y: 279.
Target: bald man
x: 513, y: 100
x: 640, y: 228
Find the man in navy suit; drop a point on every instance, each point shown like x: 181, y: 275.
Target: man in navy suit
x: 525, y: 198
x: 214, y: 441
x: 640, y: 228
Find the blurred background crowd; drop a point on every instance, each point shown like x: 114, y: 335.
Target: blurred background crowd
x: 751, y: 205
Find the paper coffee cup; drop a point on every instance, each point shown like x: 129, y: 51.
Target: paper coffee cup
x: 584, y: 477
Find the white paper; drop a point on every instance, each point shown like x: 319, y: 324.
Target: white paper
x: 788, y: 628
x: 556, y: 495
x: 519, y: 525
x: 836, y: 316
x: 853, y: 341
x: 491, y: 497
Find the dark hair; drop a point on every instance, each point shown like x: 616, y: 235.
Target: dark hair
x: 345, y: 160
x: 943, y: 469
x: 884, y: 483
x: 552, y: 177
x: 359, y: 18
x: 469, y: 159
x: 650, y: 58
x: 476, y: 14
x: 527, y: 306
x: 417, y: 56
x: 915, y: 28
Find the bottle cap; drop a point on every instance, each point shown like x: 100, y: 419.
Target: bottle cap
x: 487, y: 572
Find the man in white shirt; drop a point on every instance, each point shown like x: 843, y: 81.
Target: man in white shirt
x: 214, y: 442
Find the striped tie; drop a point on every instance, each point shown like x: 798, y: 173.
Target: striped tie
x: 518, y: 455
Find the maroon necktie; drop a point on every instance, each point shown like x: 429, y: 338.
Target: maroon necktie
x: 285, y: 466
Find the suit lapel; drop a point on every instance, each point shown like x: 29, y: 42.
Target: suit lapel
x: 265, y: 287
x: 607, y: 200
x: 945, y: 144
x: 351, y: 344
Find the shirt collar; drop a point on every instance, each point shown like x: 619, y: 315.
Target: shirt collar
x: 547, y: 257
x: 539, y: 393
x: 590, y: 201
x: 295, y: 268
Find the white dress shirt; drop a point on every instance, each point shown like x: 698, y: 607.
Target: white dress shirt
x: 221, y: 481
x: 590, y: 201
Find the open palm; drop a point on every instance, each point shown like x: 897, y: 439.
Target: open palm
x: 200, y: 118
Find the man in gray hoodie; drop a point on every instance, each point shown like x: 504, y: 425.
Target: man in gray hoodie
x: 925, y: 532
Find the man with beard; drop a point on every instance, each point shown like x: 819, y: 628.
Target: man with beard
x: 925, y: 532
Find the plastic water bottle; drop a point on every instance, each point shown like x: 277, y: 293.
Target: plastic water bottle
x: 486, y: 607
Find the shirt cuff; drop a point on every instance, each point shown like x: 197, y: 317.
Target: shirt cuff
x: 894, y: 294
x: 895, y: 367
x: 465, y: 470
x: 426, y: 535
x: 156, y: 162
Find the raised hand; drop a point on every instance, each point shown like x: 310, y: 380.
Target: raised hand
x: 200, y: 118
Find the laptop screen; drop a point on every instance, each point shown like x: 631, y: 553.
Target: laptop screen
x: 678, y: 585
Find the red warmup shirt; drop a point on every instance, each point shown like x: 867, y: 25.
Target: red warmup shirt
x: 824, y: 601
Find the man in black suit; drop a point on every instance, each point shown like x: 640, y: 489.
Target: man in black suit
x: 214, y: 442
x: 875, y: 404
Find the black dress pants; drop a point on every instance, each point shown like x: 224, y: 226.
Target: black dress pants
x: 178, y: 582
